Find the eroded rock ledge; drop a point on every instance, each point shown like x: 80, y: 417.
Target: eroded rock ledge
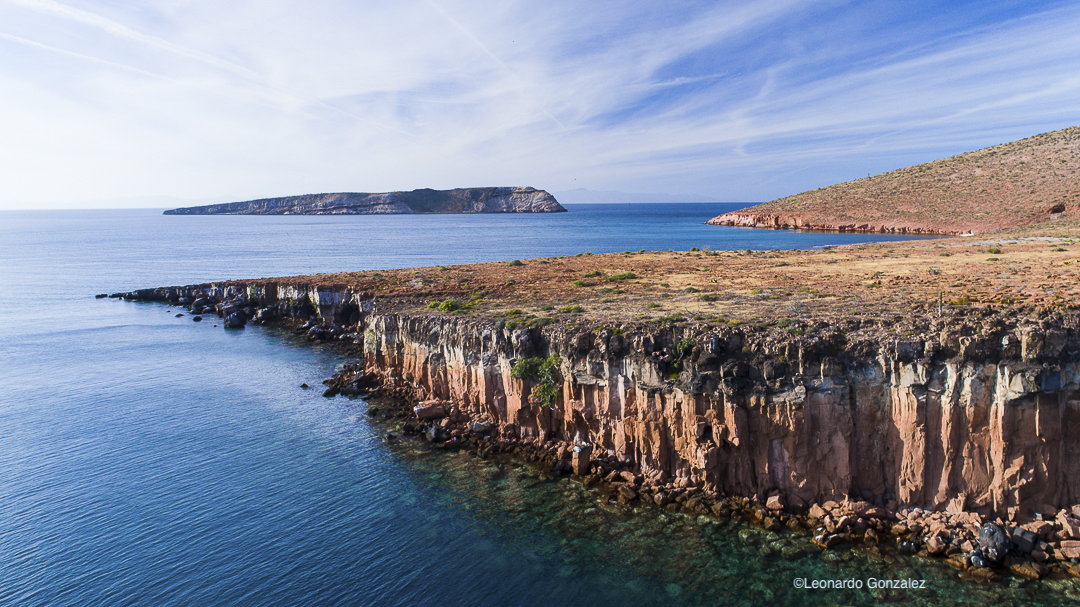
x: 794, y: 222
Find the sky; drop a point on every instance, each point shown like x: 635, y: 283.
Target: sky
x: 113, y: 103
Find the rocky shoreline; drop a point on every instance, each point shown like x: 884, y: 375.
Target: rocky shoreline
x: 777, y: 221
x: 1011, y: 528
x: 983, y: 550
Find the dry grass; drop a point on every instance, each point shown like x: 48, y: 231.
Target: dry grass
x: 1034, y: 272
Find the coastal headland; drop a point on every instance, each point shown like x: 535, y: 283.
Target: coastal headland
x: 1016, y: 184
x: 461, y: 200
x: 909, y: 394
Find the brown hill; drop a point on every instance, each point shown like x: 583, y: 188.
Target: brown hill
x: 1015, y: 184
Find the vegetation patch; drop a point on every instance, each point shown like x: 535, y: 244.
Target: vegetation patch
x: 544, y: 372
x: 447, y: 305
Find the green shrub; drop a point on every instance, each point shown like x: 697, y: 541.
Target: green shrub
x: 571, y: 309
x: 668, y: 320
x: 620, y: 276
x: 447, y: 305
x: 594, y: 273
x: 690, y: 290
x: 545, y: 373
x: 707, y: 297
x: 516, y: 262
x: 994, y: 251
x: 652, y: 305
x: 583, y: 283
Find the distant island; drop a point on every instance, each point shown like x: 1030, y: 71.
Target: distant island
x: 1011, y: 185
x: 460, y: 200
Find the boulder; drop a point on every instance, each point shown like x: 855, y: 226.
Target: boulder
x: 1024, y: 540
x: 430, y: 409
x: 433, y: 434
x: 236, y: 320
x: 582, y: 455
x: 1069, y: 525
x: 775, y: 503
x: 936, y: 545
x: 994, y: 543
x: 1070, y: 549
x: 480, y: 427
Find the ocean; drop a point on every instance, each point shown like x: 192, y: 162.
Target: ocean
x: 149, y: 460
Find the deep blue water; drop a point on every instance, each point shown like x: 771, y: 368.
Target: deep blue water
x: 149, y: 460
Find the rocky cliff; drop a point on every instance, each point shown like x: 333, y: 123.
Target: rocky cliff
x: 978, y: 412
x: 777, y: 221
x: 461, y: 200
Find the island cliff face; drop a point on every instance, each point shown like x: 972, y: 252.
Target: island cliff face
x: 974, y: 413
x: 461, y: 200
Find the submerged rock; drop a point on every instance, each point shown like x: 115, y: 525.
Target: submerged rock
x: 236, y: 320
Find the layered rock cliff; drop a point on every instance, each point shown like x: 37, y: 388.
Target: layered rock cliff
x: 978, y: 412
x: 461, y: 200
x: 778, y: 221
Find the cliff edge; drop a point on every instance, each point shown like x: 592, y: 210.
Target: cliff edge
x: 460, y: 200
x: 1016, y: 184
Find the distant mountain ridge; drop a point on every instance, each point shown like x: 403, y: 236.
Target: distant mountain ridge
x: 460, y: 200
x: 1015, y: 184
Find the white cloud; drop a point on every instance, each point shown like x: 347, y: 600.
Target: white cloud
x: 741, y: 100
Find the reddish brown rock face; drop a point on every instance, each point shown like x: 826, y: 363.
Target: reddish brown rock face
x: 924, y: 433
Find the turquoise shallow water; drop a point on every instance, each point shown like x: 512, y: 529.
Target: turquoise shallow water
x: 149, y: 460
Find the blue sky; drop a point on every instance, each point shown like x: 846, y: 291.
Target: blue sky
x: 105, y: 103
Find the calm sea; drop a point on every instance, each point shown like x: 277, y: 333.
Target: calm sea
x: 149, y: 460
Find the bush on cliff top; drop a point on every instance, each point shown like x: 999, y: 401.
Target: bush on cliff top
x: 543, y: 371
x: 447, y: 305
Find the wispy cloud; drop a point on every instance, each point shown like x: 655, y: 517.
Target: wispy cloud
x: 741, y: 100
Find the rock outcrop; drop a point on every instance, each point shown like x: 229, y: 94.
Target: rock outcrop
x: 461, y: 200
x: 969, y: 414
x: 792, y: 222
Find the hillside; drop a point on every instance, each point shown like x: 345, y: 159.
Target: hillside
x: 1016, y: 184
x: 461, y: 200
